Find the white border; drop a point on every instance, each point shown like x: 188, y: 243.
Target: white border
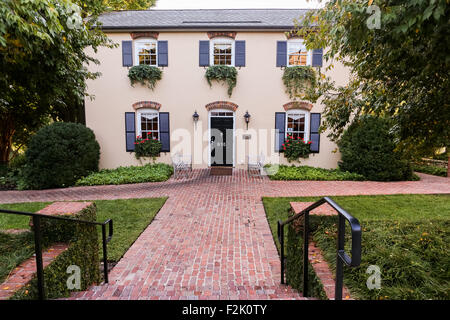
x: 136, y: 53
x: 138, y: 120
x: 225, y: 41
x: 307, y: 120
x: 308, y: 56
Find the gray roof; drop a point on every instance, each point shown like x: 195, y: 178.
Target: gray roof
x: 221, y: 19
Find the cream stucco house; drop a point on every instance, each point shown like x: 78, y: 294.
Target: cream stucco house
x: 183, y: 43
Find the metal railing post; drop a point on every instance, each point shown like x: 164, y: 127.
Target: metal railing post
x: 305, y: 253
x: 38, y: 252
x: 339, y: 262
x: 281, y: 239
x: 105, y: 254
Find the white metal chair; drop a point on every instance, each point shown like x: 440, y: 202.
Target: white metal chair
x: 255, y: 165
x: 181, y: 164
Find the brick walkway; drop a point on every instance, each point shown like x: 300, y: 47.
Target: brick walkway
x: 211, y: 239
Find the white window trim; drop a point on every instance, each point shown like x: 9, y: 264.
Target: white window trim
x: 308, y: 56
x: 136, y: 52
x: 221, y: 40
x: 138, y: 120
x: 307, y: 120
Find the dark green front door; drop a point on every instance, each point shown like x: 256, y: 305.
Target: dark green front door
x: 221, y: 141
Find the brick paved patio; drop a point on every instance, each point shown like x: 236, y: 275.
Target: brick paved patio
x: 211, y: 239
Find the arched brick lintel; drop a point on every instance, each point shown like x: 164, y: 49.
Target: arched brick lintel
x: 147, y: 104
x: 217, y: 34
x: 137, y: 35
x: 298, y: 105
x: 222, y: 105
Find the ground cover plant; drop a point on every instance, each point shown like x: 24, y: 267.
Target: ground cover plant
x: 124, y: 175
x: 407, y: 236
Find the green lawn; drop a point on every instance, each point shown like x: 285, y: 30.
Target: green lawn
x: 130, y: 218
x: 407, y: 236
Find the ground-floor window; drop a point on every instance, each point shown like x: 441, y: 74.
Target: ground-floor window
x: 297, y: 124
x: 148, y: 124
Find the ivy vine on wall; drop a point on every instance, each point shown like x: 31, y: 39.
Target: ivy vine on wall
x: 300, y: 81
x: 224, y: 74
x: 145, y: 75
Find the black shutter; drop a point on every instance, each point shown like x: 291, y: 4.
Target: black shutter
x: 280, y: 125
x: 314, y: 132
x: 164, y: 131
x: 317, y: 58
x: 204, y: 54
x: 240, y: 53
x: 130, y: 131
x: 163, y: 54
x: 281, y: 53
x: 127, y: 53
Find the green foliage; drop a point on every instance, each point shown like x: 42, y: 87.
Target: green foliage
x: 145, y: 75
x: 11, y: 174
x: 129, y: 4
x: 300, y: 81
x: 429, y: 169
x: 14, y: 248
x: 125, y: 175
x: 43, y: 64
x: 59, y: 155
x: 147, y: 148
x: 405, y: 235
x: 368, y: 148
x: 130, y: 216
x: 295, y: 148
x: 224, y: 74
x: 401, y: 69
x: 413, y: 258
x: 310, y: 173
x: 82, y: 252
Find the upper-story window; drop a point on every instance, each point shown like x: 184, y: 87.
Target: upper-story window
x: 146, y: 52
x: 148, y: 123
x: 222, y: 51
x: 297, y: 54
x: 297, y: 123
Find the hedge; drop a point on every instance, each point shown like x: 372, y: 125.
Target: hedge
x: 368, y: 148
x: 83, y: 252
x: 60, y: 154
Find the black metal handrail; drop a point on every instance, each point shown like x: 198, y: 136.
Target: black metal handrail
x: 38, y: 239
x: 341, y: 256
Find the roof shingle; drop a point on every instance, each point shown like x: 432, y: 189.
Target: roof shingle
x: 202, y: 19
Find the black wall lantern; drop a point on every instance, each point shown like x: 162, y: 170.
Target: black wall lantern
x: 247, y: 118
x: 195, y: 117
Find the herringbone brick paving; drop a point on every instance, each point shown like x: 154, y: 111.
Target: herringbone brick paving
x: 211, y: 239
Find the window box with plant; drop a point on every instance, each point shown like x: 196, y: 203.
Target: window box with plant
x: 300, y: 81
x: 145, y: 75
x: 146, y: 148
x: 296, y: 147
x: 224, y: 74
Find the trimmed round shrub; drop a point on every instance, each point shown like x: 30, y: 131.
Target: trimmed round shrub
x: 60, y: 154
x: 367, y: 148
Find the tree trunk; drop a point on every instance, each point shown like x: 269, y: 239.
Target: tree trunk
x: 6, y: 133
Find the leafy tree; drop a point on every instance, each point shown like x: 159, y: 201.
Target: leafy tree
x: 43, y: 62
x: 398, y: 52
